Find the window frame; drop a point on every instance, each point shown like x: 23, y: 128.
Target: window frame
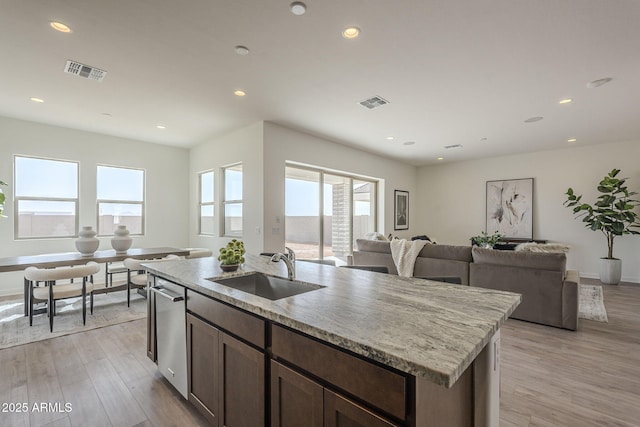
x: 226, y: 202
x: 202, y: 204
x: 17, y: 199
x: 123, y: 202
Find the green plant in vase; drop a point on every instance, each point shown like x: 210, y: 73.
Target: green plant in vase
x: 486, y: 241
x: 232, y: 255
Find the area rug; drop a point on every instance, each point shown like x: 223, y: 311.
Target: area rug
x: 591, y: 303
x: 108, y: 309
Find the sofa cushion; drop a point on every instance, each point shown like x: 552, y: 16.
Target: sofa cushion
x: 450, y: 252
x: 541, y: 261
x: 373, y: 246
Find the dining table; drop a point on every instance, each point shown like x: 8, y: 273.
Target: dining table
x: 54, y: 260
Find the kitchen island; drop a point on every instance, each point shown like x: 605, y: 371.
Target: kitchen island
x: 366, y: 348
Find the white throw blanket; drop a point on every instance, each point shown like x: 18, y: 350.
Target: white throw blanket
x: 404, y: 254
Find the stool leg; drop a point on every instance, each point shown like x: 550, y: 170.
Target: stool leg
x: 51, y: 307
x: 30, y: 303
x: 128, y: 288
x: 84, y: 300
x: 91, y: 301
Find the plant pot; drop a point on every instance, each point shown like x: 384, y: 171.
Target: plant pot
x: 610, y: 271
x: 229, y: 267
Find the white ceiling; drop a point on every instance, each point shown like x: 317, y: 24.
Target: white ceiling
x: 454, y: 71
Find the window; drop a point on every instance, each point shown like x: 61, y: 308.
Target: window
x: 326, y: 212
x: 206, y: 223
x: 45, y: 197
x: 120, y: 198
x: 232, y: 200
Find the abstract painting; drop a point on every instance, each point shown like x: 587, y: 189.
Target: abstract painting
x: 510, y: 208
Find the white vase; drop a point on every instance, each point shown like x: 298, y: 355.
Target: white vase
x: 87, y: 242
x: 610, y: 271
x: 121, y: 240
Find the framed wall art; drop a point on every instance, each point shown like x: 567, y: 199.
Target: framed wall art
x: 401, y: 210
x: 510, y: 208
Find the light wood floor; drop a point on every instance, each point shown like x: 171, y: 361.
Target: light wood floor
x: 550, y: 377
x: 591, y: 377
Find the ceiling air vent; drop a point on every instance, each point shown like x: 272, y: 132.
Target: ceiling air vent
x: 374, y: 102
x: 86, y: 71
x: 453, y: 146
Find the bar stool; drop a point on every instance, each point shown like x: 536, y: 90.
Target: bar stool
x: 52, y: 292
x: 139, y: 279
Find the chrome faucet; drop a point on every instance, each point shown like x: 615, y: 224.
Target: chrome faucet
x: 291, y: 255
x: 291, y: 268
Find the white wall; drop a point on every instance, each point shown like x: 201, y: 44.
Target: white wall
x: 166, y: 178
x: 452, y: 199
x: 282, y: 144
x: 243, y: 145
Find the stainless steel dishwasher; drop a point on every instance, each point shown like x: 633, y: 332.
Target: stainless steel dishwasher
x: 171, y: 334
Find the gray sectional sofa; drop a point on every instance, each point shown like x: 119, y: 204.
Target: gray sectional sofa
x: 549, y: 291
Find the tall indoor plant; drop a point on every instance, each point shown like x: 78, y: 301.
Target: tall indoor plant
x: 613, y: 214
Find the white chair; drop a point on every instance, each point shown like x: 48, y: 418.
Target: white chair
x: 52, y: 292
x: 198, y: 253
x: 137, y: 276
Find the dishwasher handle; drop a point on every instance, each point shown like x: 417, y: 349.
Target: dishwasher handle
x: 159, y: 290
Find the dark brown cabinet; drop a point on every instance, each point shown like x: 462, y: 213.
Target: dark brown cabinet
x: 298, y: 401
x: 202, y: 367
x: 226, y: 376
x: 341, y: 412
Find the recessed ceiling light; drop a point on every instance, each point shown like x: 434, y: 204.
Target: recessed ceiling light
x: 565, y: 101
x: 390, y: 138
x: 242, y: 50
x: 298, y: 8
x: 106, y: 114
x: 38, y: 100
x: 440, y: 158
x: 239, y: 93
x: 351, y: 32
x: 59, y: 26
x: 161, y: 126
x: 533, y: 119
x: 599, y: 82
x: 409, y: 143
x: 572, y: 140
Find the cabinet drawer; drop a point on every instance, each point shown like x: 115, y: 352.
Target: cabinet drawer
x: 244, y: 325
x: 374, y: 384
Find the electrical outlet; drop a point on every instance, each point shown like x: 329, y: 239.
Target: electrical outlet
x: 275, y: 230
x: 258, y: 230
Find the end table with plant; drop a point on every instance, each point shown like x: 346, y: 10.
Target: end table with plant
x: 485, y: 240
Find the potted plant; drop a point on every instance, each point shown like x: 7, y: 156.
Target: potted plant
x: 613, y: 214
x: 2, y: 199
x: 486, y: 241
x: 232, y: 255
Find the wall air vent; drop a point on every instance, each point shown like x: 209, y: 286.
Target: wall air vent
x: 86, y: 71
x: 453, y: 146
x: 373, y: 102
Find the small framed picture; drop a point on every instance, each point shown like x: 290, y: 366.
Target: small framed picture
x: 401, y: 210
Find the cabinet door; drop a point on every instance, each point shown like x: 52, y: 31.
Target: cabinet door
x: 242, y: 370
x: 296, y: 400
x: 340, y: 412
x: 151, y: 321
x: 202, y: 367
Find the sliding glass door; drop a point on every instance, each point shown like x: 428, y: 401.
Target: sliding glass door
x: 325, y: 212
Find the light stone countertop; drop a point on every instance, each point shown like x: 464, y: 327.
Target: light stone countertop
x: 429, y: 329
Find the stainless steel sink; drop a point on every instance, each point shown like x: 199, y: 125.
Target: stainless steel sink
x: 265, y: 286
